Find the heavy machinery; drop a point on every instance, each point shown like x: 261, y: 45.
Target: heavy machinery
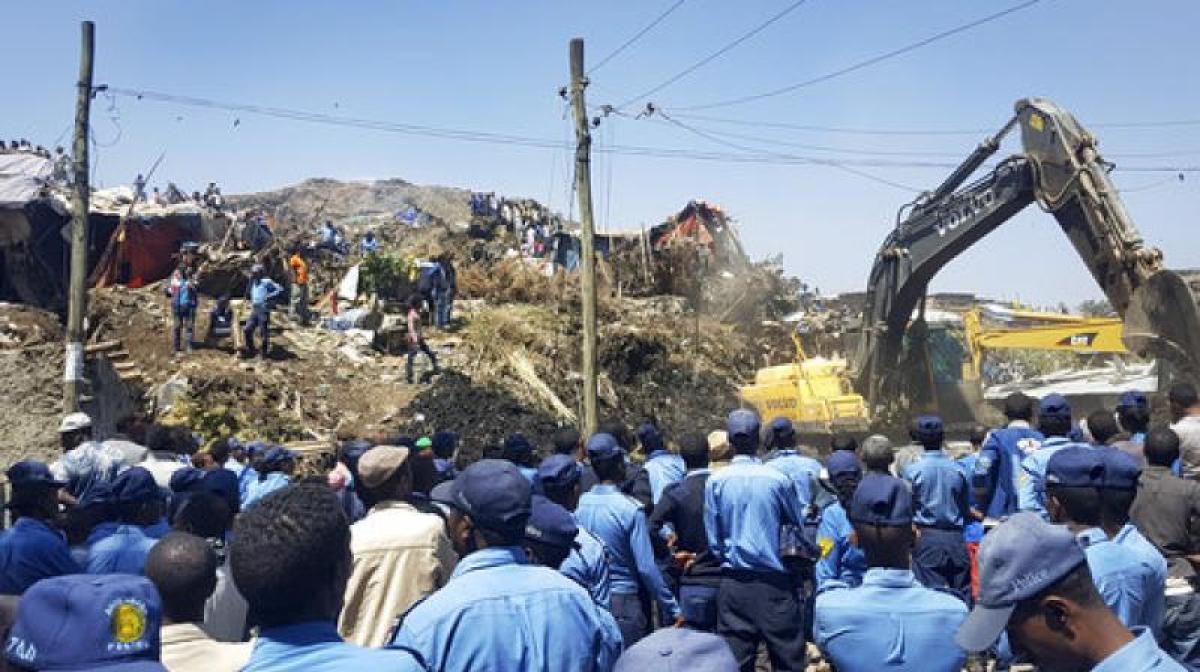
x: 1042, y: 331
x: 1061, y: 170
x: 813, y: 392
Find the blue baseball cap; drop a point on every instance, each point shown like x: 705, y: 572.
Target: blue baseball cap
x: 677, y: 650
x: 87, y: 622
x: 443, y: 493
x: 276, y: 456
x: 650, y: 438
x: 32, y: 474
x: 842, y: 463
x: 1054, y: 405
x: 1133, y: 399
x: 516, y: 446
x: 780, y: 433
x: 135, y: 485
x: 495, y: 494
x: 742, y: 423
x: 1019, y: 559
x: 550, y: 524
x: 603, y: 447
x: 1076, y: 467
x: 928, y: 428
x: 1121, y: 471
x: 256, y: 447
x: 186, y: 479
x: 881, y: 500
x: 558, y: 471
x: 99, y: 496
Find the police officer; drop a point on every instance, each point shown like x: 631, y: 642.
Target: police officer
x: 620, y: 522
x: 841, y: 560
x: 1035, y: 584
x: 682, y: 507
x: 891, y: 621
x: 140, y: 505
x: 1133, y: 417
x: 588, y: 563
x: 498, y: 611
x: 662, y: 467
x: 940, y: 497
x: 1054, y: 421
x: 802, y: 469
x: 1074, y: 476
x: 32, y: 549
x: 997, y: 472
x: 746, y: 506
x: 1117, y: 492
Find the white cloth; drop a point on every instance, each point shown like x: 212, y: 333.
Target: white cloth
x: 187, y: 648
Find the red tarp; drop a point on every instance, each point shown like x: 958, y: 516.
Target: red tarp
x: 139, y: 254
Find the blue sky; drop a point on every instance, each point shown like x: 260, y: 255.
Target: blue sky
x: 496, y: 66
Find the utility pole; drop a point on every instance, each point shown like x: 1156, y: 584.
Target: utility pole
x: 77, y: 293
x: 587, y: 281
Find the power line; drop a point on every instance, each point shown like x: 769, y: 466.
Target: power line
x: 746, y: 155
x: 716, y: 54
x: 866, y: 63
x: 636, y: 36
x: 836, y: 150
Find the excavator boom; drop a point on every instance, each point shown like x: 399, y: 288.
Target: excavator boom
x: 1061, y: 170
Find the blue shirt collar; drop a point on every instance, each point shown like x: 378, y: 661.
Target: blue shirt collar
x: 488, y: 558
x: 695, y: 472
x: 657, y: 453
x: 1092, y: 536
x: 605, y: 488
x: 889, y: 578
x: 745, y: 459
x: 303, y: 634
x: 1140, y: 654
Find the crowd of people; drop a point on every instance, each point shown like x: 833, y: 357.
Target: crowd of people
x: 530, y: 222
x: 1063, y: 542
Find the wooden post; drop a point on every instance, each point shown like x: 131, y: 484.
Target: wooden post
x: 587, y: 281
x: 77, y: 292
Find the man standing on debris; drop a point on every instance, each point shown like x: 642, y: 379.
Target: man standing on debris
x: 299, y: 305
x: 400, y: 554
x: 185, y: 300
x: 416, y: 339
x: 746, y: 506
x: 449, y: 291
x: 942, y: 509
x: 263, y: 291
x: 369, y: 244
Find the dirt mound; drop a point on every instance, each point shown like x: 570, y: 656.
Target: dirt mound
x: 31, y: 364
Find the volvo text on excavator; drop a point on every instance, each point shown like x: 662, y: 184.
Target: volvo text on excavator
x: 1062, y: 171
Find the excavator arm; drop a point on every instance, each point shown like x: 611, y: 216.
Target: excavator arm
x: 1063, y: 173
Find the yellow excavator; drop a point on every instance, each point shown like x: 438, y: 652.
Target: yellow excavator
x: 1045, y: 331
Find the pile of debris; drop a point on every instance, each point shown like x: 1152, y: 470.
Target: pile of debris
x: 31, y: 361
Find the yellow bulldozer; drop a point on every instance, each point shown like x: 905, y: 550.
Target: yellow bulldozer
x: 813, y: 392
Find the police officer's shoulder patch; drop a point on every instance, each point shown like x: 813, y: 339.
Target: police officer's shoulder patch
x: 826, y: 546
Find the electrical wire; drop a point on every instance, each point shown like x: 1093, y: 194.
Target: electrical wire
x: 865, y: 63
x: 1154, y: 185
x: 636, y: 36
x: 716, y: 54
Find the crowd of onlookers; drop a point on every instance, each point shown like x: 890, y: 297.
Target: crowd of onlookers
x: 1060, y: 541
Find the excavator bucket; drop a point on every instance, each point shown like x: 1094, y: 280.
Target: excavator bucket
x: 1162, y: 321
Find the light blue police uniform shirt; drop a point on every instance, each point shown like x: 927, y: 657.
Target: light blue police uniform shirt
x: 262, y: 291
x: 939, y: 491
x: 803, y: 471
x: 498, y: 612
x: 841, y: 562
x: 122, y: 552
x: 1124, y: 581
x: 261, y: 487
x: 664, y: 468
x: 315, y: 646
x: 31, y: 551
x: 589, y: 566
x: 890, y: 622
x: 1140, y: 655
x: 745, y: 506
x: 619, y: 521
x: 1129, y: 537
x: 1031, y: 493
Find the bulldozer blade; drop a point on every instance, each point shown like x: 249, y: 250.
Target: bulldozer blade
x: 1162, y: 321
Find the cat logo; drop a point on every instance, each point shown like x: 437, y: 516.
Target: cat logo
x: 128, y: 621
x: 826, y: 545
x: 1080, y: 340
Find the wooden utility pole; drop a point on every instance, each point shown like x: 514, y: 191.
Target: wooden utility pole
x: 77, y: 293
x: 587, y: 281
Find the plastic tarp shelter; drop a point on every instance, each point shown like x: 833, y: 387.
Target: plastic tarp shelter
x: 22, y: 176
